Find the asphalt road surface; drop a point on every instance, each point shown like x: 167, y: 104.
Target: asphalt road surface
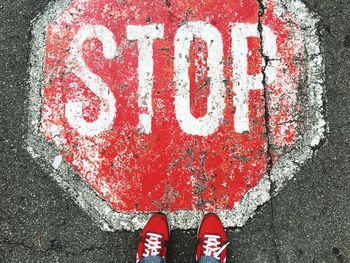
x: 309, y: 221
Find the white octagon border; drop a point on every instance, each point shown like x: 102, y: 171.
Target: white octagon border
x: 100, y: 211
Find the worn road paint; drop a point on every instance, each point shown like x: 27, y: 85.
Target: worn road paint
x: 179, y: 106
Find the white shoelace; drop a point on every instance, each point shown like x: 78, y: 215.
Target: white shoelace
x: 152, y: 244
x: 212, y: 246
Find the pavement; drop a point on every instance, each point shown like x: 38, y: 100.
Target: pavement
x: 309, y: 220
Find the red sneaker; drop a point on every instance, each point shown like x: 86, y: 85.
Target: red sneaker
x: 212, y: 239
x: 154, y: 238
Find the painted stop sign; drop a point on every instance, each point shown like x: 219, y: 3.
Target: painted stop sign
x: 180, y: 106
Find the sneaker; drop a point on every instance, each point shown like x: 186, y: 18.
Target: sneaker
x: 154, y: 238
x: 212, y: 239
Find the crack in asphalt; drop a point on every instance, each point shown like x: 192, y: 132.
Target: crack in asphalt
x: 266, y: 60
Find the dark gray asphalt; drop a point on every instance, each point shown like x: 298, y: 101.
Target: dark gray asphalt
x: 309, y: 221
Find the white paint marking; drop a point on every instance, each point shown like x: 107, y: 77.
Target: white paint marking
x: 209, y: 123
x: 242, y: 82
x: 145, y: 35
x: 100, y: 210
x: 74, y: 108
x: 57, y: 161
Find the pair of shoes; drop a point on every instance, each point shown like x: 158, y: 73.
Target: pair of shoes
x: 212, y: 239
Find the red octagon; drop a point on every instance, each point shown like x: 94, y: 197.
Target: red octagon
x: 162, y: 105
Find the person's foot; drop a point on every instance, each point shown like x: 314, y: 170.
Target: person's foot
x: 154, y: 238
x: 212, y: 239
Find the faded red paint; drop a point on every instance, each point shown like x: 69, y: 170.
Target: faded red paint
x: 168, y: 169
